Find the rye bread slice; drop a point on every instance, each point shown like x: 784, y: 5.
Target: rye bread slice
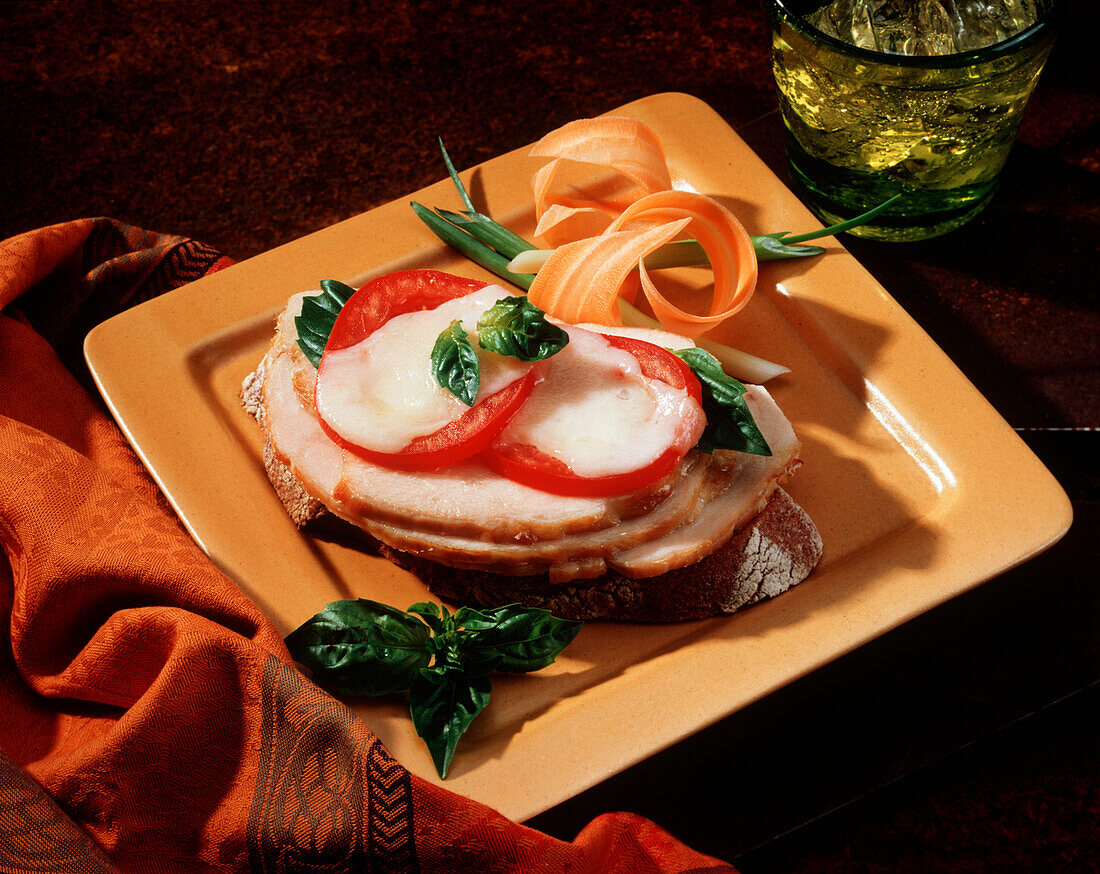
x: 776, y: 550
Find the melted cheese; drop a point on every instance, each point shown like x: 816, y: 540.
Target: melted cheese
x: 596, y: 412
x: 380, y: 394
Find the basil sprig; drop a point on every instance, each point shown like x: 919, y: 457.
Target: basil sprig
x: 730, y: 424
x: 362, y: 647
x: 455, y: 365
x: 513, y: 327
x: 319, y: 312
x: 442, y: 660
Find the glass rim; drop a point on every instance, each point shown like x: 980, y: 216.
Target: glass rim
x: 895, y: 59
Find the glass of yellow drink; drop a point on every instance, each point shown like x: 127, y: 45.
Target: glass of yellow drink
x: 924, y: 109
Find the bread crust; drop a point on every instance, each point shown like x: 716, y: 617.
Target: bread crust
x: 302, y: 507
x: 776, y: 550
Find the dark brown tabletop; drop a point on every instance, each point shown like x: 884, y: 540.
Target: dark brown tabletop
x: 964, y: 740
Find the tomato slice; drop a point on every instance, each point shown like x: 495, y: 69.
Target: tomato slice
x: 466, y: 436
x: 531, y: 466
x: 394, y: 294
x: 658, y: 363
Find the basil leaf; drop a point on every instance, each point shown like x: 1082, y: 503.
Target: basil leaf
x: 482, y: 663
x: 515, y: 327
x: 362, y: 647
x: 429, y: 612
x: 455, y: 365
x: 527, y: 639
x: 475, y: 620
x: 730, y: 424
x: 443, y: 702
x: 318, y: 315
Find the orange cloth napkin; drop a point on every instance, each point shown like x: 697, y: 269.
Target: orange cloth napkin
x: 151, y: 700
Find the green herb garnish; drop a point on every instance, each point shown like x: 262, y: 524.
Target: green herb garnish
x: 730, y: 424
x: 319, y: 312
x: 454, y: 363
x: 442, y: 660
x: 515, y: 327
x: 362, y: 647
x: 514, y: 259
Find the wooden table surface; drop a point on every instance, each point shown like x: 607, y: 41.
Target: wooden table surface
x: 963, y: 741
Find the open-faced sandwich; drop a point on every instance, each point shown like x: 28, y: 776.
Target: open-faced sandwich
x: 504, y: 451
x: 577, y: 480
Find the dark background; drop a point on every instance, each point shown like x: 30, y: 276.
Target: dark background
x: 964, y: 741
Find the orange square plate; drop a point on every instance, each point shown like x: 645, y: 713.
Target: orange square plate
x: 919, y: 488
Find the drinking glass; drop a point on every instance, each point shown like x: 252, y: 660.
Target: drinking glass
x: 863, y: 126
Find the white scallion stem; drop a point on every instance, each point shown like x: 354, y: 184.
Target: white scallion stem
x: 529, y: 261
x: 678, y: 253
x: 740, y: 365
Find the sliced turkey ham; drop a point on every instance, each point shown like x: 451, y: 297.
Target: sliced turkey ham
x: 469, y: 517
x: 726, y: 509
x: 687, y: 526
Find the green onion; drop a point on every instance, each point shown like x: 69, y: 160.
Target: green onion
x: 838, y: 228
x: 481, y: 226
x: 689, y: 253
x: 740, y: 364
x: 474, y: 234
x: 471, y: 246
x: 743, y: 365
x: 679, y: 253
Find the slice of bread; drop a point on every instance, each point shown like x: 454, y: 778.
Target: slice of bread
x: 776, y: 550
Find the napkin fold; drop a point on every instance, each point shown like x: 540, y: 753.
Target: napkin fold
x: 151, y: 718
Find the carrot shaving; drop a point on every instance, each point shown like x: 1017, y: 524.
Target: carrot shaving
x: 724, y: 239
x: 621, y: 144
x: 562, y: 223
x: 582, y: 280
x: 572, y: 284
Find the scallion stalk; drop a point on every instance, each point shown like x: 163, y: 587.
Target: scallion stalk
x: 689, y: 253
x: 741, y: 365
x: 471, y: 246
x: 738, y: 364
